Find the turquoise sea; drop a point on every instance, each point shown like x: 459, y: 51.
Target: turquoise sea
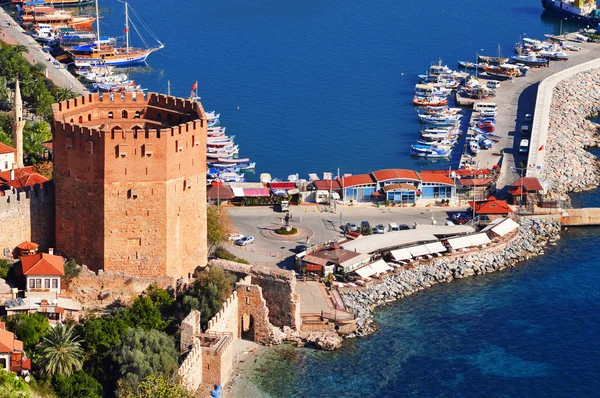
x: 322, y: 85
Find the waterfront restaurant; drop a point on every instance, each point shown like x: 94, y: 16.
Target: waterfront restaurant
x: 398, y: 185
x: 435, y: 186
x: 359, y: 188
x: 490, y: 209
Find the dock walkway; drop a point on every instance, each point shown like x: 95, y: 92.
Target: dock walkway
x: 12, y: 33
x: 515, y: 98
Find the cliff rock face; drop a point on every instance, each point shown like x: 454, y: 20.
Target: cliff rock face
x: 533, y: 236
x: 328, y: 340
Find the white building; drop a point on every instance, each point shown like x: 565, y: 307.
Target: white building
x: 7, y: 157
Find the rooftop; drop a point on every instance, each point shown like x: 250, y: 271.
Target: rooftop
x: 427, y: 176
x: 395, y: 174
x: 490, y: 206
x: 24, y: 177
x: 360, y: 179
x: 42, y: 264
x: 6, y: 149
x: 528, y: 183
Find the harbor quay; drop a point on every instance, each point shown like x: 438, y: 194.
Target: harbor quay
x: 12, y: 33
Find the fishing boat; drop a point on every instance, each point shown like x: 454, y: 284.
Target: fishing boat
x: 554, y: 54
x: 530, y: 59
x: 533, y: 44
x: 474, y: 147
x: 501, y: 72
x: 583, y: 12
x: 429, y: 101
x: 498, y: 60
x: 429, y: 151
x: 42, y: 14
x: 112, y: 55
x: 430, y: 90
x: 471, y: 65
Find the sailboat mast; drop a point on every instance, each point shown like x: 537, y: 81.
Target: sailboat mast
x: 98, y: 24
x: 127, y: 25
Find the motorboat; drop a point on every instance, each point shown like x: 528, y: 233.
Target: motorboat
x: 529, y: 59
x: 429, y: 101
x: 430, y: 151
x: 474, y: 147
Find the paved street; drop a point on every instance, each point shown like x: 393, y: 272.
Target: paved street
x: 317, y: 224
x: 14, y: 34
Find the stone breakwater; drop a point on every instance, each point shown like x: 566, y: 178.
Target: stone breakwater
x: 567, y: 163
x: 533, y: 236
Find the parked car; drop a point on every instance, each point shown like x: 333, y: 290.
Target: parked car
x: 379, y: 229
x: 246, y: 240
x: 365, y: 227
x: 235, y: 237
x: 300, y: 248
x: 403, y: 227
x: 528, y: 117
x: 351, y: 227
x: 392, y: 227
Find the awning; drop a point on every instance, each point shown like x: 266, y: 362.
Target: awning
x: 459, y: 243
x: 256, y: 192
x: 238, y: 192
x: 380, y: 266
x: 309, y: 258
x: 505, y: 227
x: 282, y: 185
x: 401, y: 254
x: 436, y: 247
x: 365, y: 271
x: 293, y: 191
x: 416, y: 251
x: 479, y: 239
x: 314, y: 267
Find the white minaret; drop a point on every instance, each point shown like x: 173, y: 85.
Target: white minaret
x: 18, y: 123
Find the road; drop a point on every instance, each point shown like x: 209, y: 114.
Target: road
x: 318, y: 224
x: 14, y: 34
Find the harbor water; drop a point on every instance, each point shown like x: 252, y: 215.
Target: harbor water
x: 320, y: 86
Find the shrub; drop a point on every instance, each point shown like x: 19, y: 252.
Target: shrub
x: 283, y: 231
x: 224, y: 254
x: 72, y: 270
x: 5, y: 266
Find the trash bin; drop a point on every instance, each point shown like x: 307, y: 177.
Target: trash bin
x: 378, y: 204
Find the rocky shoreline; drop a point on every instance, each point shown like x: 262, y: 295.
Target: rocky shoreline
x: 533, y: 236
x: 567, y: 163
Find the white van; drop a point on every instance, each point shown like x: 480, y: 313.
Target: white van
x: 392, y: 227
x: 485, y: 106
x: 493, y: 84
x: 524, y: 146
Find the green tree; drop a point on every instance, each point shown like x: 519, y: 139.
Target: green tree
x: 142, y: 353
x: 33, y: 137
x: 216, y: 227
x: 5, y: 266
x: 63, y: 94
x: 72, y: 269
x: 60, y: 352
x: 5, y: 94
x: 6, y: 136
x: 160, y: 297
x: 144, y: 314
x: 212, y: 287
x: 30, y: 329
x: 11, y: 386
x: 79, y: 384
x: 156, y: 385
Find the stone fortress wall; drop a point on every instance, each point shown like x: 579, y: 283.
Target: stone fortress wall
x: 27, y: 216
x: 131, y: 170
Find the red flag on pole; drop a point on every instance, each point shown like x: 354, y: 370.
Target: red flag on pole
x: 541, y: 148
x: 194, y: 86
x: 126, y: 30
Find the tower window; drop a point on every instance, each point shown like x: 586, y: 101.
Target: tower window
x: 110, y: 115
x: 122, y: 150
x: 133, y: 193
x: 148, y: 149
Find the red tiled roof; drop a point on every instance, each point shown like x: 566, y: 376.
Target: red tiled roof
x: 394, y: 174
x: 427, y: 176
x: 6, y: 149
x: 314, y: 267
x: 47, y: 145
x: 7, y: 341
x: 219, y: 192
x: 391, y: 187
x: 326, y: 185
x: 24, y: 177
x: 490, y: 206
x: 282, y: 185
x: 27, y: 363
x: 360, y: 179
x: 42, y: 264
x: 529, y: 183
x: 462, y: 172
x: 28, y: 246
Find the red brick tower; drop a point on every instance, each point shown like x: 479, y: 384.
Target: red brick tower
x: 130, y: 177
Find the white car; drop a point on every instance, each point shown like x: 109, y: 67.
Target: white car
x: 528, y: 117
x: 379, y: 229
x: 235, y: 237
x: 246, y: 240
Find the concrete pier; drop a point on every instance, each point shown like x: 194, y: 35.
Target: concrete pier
x: 12, y: 33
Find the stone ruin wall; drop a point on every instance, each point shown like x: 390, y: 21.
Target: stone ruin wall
x: 278, y: 289
x: 226, y: 320
x: 190, y: 371
x: 27, y: 216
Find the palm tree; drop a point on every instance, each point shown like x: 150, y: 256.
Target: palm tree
x: 60, y: 352
x: 64, y: 93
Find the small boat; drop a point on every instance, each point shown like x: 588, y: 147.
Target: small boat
x: 429, y: 101
x: 533, y: 44
x: 430, y: 90
x: 473, y: 147
x: 554, y: 55
x: 500, y: 72
x: 492, y: 60
x: 429, y: 151
x: 530, y: 59
x: 470, y: 65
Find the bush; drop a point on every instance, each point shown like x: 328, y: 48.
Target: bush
x: 224, y: 254
x: 72, y: 270
x: 79, y: 384
x: 283, y: 231
x: 5, y: 266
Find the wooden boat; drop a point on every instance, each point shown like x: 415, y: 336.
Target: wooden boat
x: 429, y: 101
x: 498, y: 60
x: 501, y: 72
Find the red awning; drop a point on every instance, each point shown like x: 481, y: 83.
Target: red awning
x: 282, y: 185
x: 256, y: 192
x: 314, y: 267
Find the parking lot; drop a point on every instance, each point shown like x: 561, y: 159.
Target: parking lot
x: 317, y: 225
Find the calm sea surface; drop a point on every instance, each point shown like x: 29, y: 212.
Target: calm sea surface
x: 322, y: 85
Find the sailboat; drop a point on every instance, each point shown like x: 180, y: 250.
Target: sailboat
x: 111, y: 55
x: 493, y: 60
